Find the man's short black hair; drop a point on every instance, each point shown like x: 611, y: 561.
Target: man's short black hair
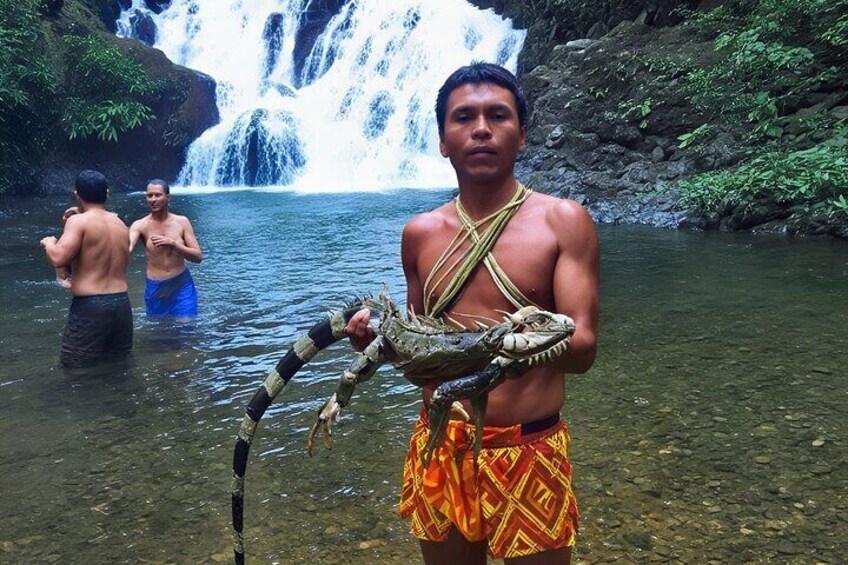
x: 91, y: 186
x: 480, y: 73
x: 160, y: 182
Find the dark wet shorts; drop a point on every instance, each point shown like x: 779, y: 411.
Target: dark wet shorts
x: 176, y: 296
x: 99, y: 327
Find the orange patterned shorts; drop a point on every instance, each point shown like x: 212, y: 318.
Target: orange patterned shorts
x: 519, y: 497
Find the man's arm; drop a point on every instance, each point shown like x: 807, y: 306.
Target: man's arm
x: 135, y: 233
x: 62, y: 252
x: 576, y: 278
x: 409, y: 249
x: 192, y: 250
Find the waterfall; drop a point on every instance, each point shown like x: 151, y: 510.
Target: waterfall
x: 321, y: 95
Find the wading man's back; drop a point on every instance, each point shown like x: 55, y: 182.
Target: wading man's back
x: 95, y: 244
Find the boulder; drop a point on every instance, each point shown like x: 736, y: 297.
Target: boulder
x: 184, y: 106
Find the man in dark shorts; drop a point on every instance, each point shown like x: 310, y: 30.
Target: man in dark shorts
x: 95, y: 244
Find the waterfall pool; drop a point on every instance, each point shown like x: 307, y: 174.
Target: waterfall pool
x: 712, y: 427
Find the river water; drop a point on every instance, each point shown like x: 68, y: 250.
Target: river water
x: 712, y: 428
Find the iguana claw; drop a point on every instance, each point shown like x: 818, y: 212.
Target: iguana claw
x: 328, y: 413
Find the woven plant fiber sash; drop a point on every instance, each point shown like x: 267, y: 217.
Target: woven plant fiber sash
x: 482, y: 235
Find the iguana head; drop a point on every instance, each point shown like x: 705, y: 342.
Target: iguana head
x: 538, y: 335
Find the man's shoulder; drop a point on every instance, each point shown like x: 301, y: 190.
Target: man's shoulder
x: 141, y: 223
x: 428, y: 222
x: 558, y: 210
x: 179, y: 219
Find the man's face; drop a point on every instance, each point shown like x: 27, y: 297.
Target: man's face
x: 482, y: 135
x: 157, y: 198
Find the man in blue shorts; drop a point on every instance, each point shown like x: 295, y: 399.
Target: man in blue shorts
x: 168, y: 241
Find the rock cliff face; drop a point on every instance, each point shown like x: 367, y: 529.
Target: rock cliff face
x: 576, y: 70
x: 183, y: 105
x: 553, y: 22
x: 602, y: 132
x: 585, y: 143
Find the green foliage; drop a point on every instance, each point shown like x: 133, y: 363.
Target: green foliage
x: 597, y: 93
x: 772, y: 50
x: 639, y: 109
x: 106, y: 119
x: 837, y: 34
x: 693, y: 136
x: 109, y: 85
x: 84, y: 86
x: 770, y: 55
x: 25, y: 84
x: 802, y: 178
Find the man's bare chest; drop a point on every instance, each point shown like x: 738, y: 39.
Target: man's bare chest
x: 170, y: 230
x: 523, y: 258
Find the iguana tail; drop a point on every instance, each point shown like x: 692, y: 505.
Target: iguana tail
x: 322, y: 335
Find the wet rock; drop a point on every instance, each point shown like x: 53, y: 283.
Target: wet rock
x: 821, y: 469
x: 272, y: 40
x: 787, y: 547
x: 663, y: 550
x: 555, y: 139
x: 380, y: 110
x: 157, y: 6
x: 580, y: 44
x: 368, y: 544
x: 142, y: 27
x: 270, y: 153
x: 313, y: 22
x: 642, y: 540
x: 775, y: 525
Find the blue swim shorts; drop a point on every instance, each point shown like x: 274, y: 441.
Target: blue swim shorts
x: 172, y: 297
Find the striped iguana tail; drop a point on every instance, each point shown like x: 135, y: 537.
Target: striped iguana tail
x: 322, y: 335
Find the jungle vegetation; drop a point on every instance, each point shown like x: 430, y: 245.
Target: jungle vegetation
x: 779, y: 67
x: 76, y: 82
x: 783, y: 65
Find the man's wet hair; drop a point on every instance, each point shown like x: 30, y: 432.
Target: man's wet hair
x: 91, y: 186
x: 480, y: 73
x: 160, y: 182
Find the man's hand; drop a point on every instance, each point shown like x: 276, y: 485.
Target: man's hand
x: 49, y: 240
x: 359, y: 330
x: 162, y: 241
x: 63, y: 277
x: 73, y: 210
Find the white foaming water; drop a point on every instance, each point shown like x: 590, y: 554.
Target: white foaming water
x: 357, y: 116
